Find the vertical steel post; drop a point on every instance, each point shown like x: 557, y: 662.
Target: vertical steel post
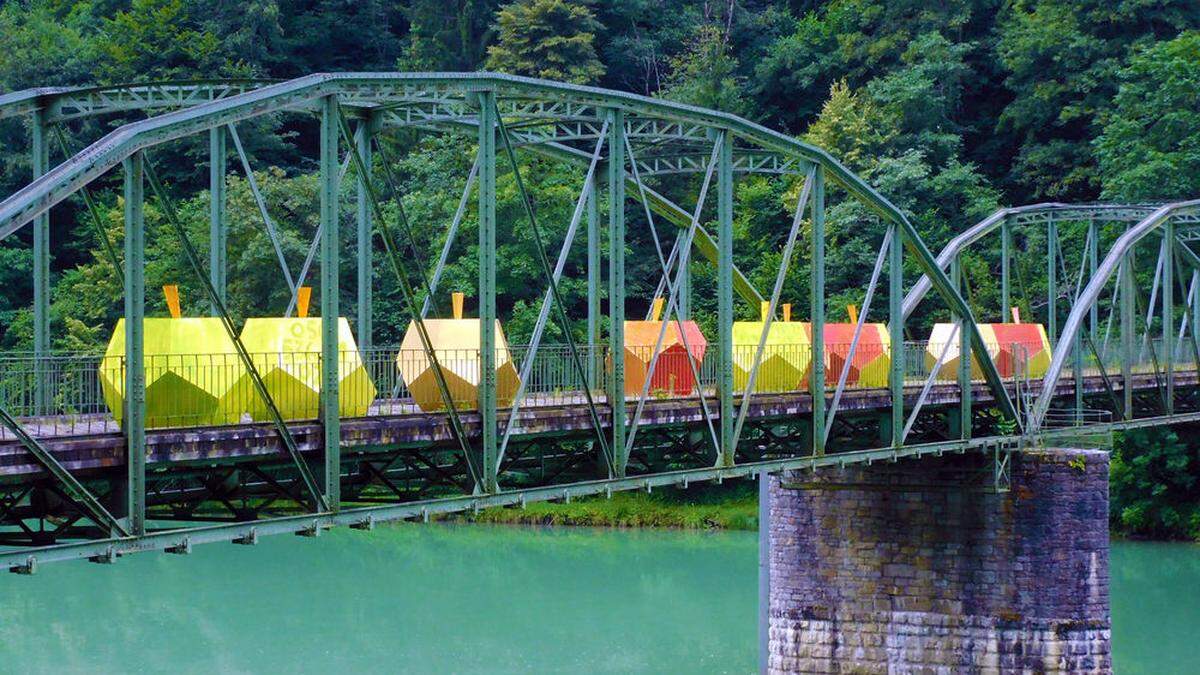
x: 487, y: 288
x: 41, y: 269
x: 725, y: 296
x: 135, y: 370
x: 1093, y: 254
x: 764, y: 570
x: 1052, y: 281
x: 362, y: 218
x: 1077, y: 368
x: 593, y: 281
x: 330, y: 358
x: 683, y: 302
x: 816, y: 310
x: 1005, y: 270
x: 218, y: 226
x: 1127, y: 333
x: 616, y: 285
x: 896, y: 330
x: 1195, y: 327
x: 1168, y: 312
x: 964, y: 360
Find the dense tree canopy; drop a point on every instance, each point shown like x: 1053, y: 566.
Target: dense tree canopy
x: 950, y: 109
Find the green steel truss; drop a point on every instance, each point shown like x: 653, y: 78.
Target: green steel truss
x: 641, y: 139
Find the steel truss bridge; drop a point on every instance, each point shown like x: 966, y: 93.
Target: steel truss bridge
x: 74, y: 484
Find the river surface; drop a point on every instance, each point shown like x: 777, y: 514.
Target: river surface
x: 463, y: 599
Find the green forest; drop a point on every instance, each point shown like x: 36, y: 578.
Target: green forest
x: 950, y: 109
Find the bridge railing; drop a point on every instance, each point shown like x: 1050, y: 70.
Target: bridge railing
x: 82, y: 392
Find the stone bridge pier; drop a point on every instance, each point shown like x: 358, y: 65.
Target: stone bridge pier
x: 905, y: 567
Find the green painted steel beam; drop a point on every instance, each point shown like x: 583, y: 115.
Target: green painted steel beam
x: 415, y: 311
x: 553, y: 297
x: 593, y: 282
x: 1093, y: 254
x: 83, y: 498
x: 816, y: 300
x: 1052, y: 281
x: 41, y: 270
x: 365, y: 262
x: 487, y: 290
x: 964, y: 361
x: 725, y: 315
x: 134, y: 419
x: 218, y: 225
x: 1168, y: 312
x: 330, y: 289
x: 616, y: 287
x: 1006, y: 270
x: 1128, y: 336
x: 94, y: 218
x: 896, y: 333
x: 251, y: 532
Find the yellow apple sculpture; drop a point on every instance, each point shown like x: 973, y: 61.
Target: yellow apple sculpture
x: 1016, y: 348
x: 786, y: 355
x: 190, y: 364
x: 672, y: 373
x: 456, y: 345
x: 287, y: 354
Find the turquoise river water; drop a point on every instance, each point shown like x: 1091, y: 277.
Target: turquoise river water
x: 463, y: 599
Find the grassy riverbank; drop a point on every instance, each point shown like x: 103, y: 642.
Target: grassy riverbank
x: 732, y: 506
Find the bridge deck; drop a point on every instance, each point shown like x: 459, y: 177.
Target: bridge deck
x: 255, y: 441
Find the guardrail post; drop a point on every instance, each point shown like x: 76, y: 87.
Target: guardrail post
x: 616, y: 285
x: 362, y: 219
x: 487, y: 288
x: 896, y: 330
x: 41, y: 270
x: 1168, y: 312
x: 964, y: 357
x: 593, y: 280
x: 218, y: 225
x: 725, y: 296
x: 816, y: 310
x: 330, y: 357
x: 1127, y: 333
x: 135, y: 371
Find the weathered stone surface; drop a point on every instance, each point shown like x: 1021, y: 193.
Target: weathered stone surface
x: 924, y: 577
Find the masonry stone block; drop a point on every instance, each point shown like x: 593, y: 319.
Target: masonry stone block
x: 907, y: 567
